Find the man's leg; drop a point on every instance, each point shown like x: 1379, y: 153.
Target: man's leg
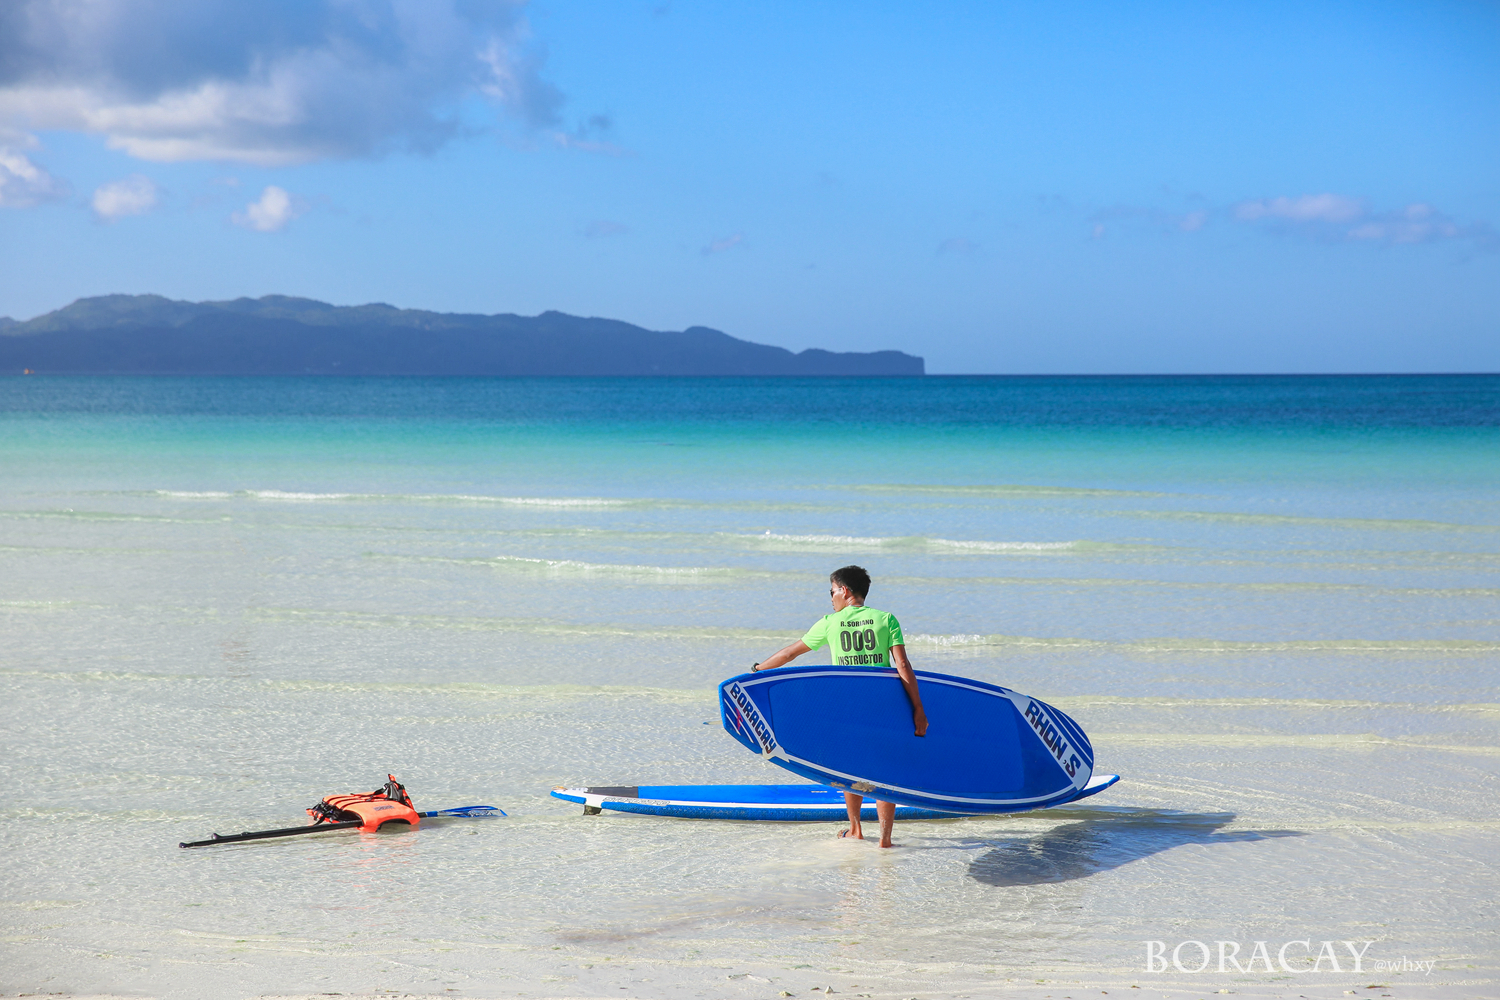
x: 854, y: 803
x: 887, y: 813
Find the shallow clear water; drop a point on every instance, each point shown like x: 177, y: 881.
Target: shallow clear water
x: 1273, y: 604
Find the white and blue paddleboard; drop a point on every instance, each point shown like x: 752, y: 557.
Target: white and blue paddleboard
x: 988, y: 749
x: 764, y: 802
x: 783, y: 803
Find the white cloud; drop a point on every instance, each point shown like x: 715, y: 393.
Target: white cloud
x: 271, y: 212
x: 22, y: 182
x: 1134, y: 217
x: 1331, y: 218
x: 1418, y: 223
x: 1342, y: 219
x: 1307, y: 208
x: 271, y: 82
x: 727, y: 243
x: 134, y: 195
x: 591, y: 137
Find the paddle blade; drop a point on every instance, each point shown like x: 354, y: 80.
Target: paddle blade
x: 472, y: 812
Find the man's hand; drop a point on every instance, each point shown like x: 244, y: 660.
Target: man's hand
x: 781, y: 658
x: 909, y: 681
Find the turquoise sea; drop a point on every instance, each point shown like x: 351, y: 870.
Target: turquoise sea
x: 1274, y: 604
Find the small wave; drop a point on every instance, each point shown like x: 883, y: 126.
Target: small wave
x: 934, y: 643
x: 546, y: 501
x: 286, y: 495
x: 435, y: 498
x: 504, y: 691
x: 1298, y: 520
x: 914, y: 543
x: 774, y: 540
x: 531, y: 626
x: 1168, y: 645
x: 1323, y: 741
x: 1086, y: 701
x: 94, y: 515
x: 981, y: 546
x: 576, y: 566
x: 75, y: 550
x: 294, y: 495
x: 579, y: 566
x: 510, y: 501
x: 440, y: 498
x: 477, y: 689
x: 1300, y: 586
x: 41, y: 605
x: 816, y: 541
x: 1000, y: 490
x: 84, y: 677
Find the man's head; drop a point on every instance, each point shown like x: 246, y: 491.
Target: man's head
x: 848, y: 585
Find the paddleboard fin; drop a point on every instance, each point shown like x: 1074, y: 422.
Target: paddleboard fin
x: 614, y: 791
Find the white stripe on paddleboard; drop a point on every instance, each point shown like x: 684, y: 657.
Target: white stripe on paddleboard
x: 850, y: 672
x: 597, y: 800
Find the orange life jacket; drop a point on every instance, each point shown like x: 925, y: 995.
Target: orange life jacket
x: 389, y: 804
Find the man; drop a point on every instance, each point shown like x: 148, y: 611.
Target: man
x: 860, y: 636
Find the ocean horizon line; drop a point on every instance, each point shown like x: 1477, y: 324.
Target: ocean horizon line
x: 926, y: 376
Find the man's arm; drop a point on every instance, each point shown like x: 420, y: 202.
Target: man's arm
x: 909, y: 681
x: 784, y: 657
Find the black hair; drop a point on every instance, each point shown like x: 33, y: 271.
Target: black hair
x: 853, y: 577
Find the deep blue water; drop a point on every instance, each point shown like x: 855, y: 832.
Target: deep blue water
x: 1286, y: 402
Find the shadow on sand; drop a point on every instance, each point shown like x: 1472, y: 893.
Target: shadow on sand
x: 1078, y: 850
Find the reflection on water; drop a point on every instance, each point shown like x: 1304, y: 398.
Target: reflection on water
x: 1077, y: 850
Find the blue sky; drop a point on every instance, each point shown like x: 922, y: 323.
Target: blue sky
x: 998, y: 187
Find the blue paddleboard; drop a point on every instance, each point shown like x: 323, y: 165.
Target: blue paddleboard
x: 751, y: 802
x: 766, y: 802
x: 988, y: 749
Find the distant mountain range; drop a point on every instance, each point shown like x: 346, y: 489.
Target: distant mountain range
x: 279, y: 335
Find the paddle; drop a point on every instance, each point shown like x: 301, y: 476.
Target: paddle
x: 292, y: 831
x: 473, y: 812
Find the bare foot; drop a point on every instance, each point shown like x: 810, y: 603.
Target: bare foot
x: 887, y: 813
x: 851, y: 834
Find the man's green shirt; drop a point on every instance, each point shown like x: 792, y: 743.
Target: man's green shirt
x: 859, y: 636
